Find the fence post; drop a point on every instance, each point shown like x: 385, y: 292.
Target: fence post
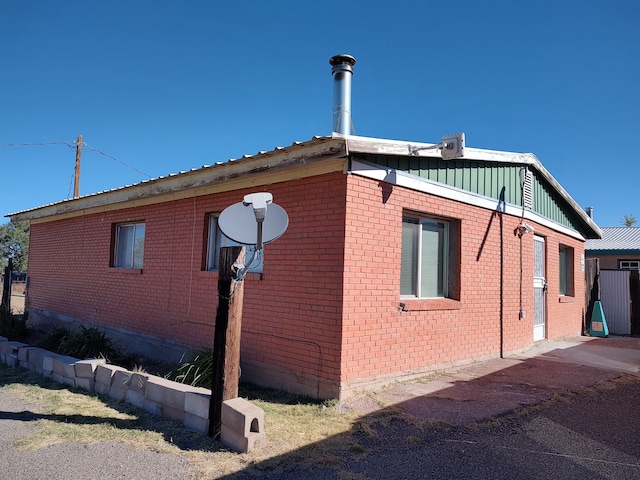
x: 6, y: 287
x: 592, y: 291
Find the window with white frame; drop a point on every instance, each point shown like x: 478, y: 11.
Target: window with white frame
x: 129, y: 245
x: 216, y: 239
x: 424, y: 271
x: 629, y: 264
x: 566, y: 270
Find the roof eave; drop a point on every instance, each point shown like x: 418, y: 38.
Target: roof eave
x: 299, y: 153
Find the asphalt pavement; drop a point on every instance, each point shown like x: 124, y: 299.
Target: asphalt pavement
x: 561, y: 410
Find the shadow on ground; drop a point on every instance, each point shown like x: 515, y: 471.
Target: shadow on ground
x: 567, y: 412
x: 563, y: 410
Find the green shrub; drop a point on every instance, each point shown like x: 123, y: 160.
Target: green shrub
x: 81, y: 342
x: 197, y: 371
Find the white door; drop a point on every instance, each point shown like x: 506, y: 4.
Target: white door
x: 539, y: 289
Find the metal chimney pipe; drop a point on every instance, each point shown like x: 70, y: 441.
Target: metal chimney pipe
x: 589, y: 211
x: 342, y: 72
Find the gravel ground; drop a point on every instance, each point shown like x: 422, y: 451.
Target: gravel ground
x: 71, y: 460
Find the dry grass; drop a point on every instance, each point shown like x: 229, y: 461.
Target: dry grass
x: 298, y: 429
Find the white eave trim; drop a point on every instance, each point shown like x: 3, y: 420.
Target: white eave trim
x: 403, y: 179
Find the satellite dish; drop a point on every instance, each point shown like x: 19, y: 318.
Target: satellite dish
x: 255, y: 221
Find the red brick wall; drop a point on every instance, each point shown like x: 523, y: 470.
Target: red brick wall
x: 325, y: 308
x: 381, y: 338
x: 291, y: 316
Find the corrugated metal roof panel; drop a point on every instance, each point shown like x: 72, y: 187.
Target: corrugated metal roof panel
x: 616, y: 238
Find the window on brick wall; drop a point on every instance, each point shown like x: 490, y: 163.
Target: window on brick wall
x: 128, y: 245
x: 629, y: 264
x: 216, y: 239
x: 429, y: 265
x: 566, y: 270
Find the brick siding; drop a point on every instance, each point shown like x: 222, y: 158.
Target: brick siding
x: 327, y: 306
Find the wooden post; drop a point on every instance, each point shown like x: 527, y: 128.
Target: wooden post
x: 6, y: 287
x: 226, y: 340
x: 76, y: 183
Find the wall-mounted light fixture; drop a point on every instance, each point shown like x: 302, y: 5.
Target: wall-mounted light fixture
x: 523, y: 229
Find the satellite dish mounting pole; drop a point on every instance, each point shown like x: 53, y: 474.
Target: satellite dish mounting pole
x: 226, y: 339
x: 246, y: 223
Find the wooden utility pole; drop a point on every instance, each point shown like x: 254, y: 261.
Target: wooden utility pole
x: 226, y: 340
x: 76, y: 184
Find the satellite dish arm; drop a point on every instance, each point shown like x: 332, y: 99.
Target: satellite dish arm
x: 259, y: 201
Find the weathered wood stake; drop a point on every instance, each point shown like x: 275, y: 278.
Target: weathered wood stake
x: 6, y: 287
x: 226, y: 340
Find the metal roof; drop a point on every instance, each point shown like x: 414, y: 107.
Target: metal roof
x: 182, y: 173
x: 616, y: 239
x: 318, y: 147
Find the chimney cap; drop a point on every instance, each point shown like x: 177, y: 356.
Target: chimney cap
x: 342, y: 58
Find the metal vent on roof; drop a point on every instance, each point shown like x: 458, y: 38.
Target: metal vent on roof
x: 527, y: 189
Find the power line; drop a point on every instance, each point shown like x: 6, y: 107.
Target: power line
x: 73, y: 146
x: 38, y: 144
x: 115, y: 159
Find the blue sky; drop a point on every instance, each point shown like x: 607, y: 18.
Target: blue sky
x: 159, y: 87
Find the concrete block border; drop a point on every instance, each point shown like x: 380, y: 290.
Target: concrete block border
x: 156, y: 395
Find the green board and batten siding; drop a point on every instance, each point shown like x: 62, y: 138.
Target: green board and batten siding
x: 487, y: 179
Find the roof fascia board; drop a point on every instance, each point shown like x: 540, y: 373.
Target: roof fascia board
x: 396, y: 147
x: 424, y: 185
x: 404, y: 148
x: 298, y: 161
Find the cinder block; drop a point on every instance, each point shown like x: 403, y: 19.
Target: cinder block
x: 104, y: 373
x: 47, y: 361
x: 65, y: 366
x: 173, y: 413
x: 120, y: 384
x: 138, y: 383
x: 35, y: 357
x: 87, y: 368
x: 121, y: 379
x: 118, y: 394
x: 12, y: 347
x: 242, y: 416
x: 242, y: 425
x: 239, y: 443
x: 134, y: 398
x: 154, y: 408
x: 70, y: 382
x: 23, y: 354
x: 11, y: 360
x: 165, y: 392
x: 25, y: 364
x: 101, y: 388
x: 196, y: 423
x: 85, y: 383
x: 197, y: 402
